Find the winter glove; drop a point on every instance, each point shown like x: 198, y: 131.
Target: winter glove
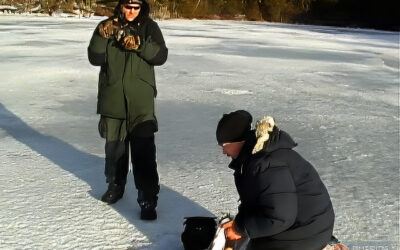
x: 110, y: 27
x: 230, y: 232
x: 336, y: 247
x: 131, y: 42
x: 128, y: 37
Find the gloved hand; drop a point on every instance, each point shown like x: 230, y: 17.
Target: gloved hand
x: 128, y: 37
x: 110, y: 27
x: 230, y: 231
x: 130, y: 42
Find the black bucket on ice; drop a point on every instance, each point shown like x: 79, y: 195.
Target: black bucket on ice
x: 198, y: 233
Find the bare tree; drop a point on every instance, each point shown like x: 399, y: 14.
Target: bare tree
x: 197, y: 5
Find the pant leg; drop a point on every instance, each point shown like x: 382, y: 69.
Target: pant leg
x: 144, y: 166
x: 116, y: 149
x: 117, y: 162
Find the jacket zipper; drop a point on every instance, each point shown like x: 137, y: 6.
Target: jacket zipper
x: 123, y: 90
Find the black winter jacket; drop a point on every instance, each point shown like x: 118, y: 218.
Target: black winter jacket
x: 284, y: 204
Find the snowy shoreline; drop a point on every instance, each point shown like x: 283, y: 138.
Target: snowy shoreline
x: 92, y: 17
x: 55, y: 15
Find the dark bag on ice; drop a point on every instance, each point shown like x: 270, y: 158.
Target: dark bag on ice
x: 198, y: 233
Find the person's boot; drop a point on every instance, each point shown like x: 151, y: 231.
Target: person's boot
x: 147, y: 205
x: 113, y: 193
x: 148, y: 210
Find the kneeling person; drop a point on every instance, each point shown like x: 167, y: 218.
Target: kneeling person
x: 284, y: 204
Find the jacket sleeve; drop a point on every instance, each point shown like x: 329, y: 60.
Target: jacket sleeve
x: 154, y: 50
x: 273, y: 209
x: 97, y: 49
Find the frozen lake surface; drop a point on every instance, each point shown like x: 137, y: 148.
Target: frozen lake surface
x: 335, y: 90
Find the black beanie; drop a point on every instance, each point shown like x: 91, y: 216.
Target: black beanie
x: 234, y: 127
x: 130, y: 1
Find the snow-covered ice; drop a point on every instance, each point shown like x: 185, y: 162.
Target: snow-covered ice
x: 335, y: 90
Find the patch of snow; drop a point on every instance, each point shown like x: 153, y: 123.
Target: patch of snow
x: 231, y: 91
x: 8, y: 7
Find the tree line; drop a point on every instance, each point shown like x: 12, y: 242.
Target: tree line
x: 381, y: 14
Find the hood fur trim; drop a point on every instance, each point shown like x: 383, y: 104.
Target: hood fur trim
x: 263, y: 128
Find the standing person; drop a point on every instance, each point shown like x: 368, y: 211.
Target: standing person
x: 127, y: 46
x: 284, y: 204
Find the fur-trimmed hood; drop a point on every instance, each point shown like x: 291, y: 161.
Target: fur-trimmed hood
x: 270, y: 137
x: 282, y: 140
x: 279, y: 140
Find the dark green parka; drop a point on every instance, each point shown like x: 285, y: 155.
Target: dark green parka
x: 127, y: 85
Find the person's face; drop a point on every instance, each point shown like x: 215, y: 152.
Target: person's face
x: 131, y: 11
x: 232, y: 149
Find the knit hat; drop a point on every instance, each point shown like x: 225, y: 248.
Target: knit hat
x: 130, y: 1
x: 234, y: 127
x: 143, y: 13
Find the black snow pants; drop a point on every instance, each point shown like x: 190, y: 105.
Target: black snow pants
x: 143, y: 156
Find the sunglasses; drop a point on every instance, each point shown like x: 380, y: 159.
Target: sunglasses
x: 131, y: 7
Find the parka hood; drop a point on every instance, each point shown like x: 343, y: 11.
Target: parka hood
x: 281, y: 141
x: 143, y: 14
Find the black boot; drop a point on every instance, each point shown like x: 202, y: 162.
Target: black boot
x: 148, y: 211
x: 116, y: 169
x: 113, y: 193
x: 148, y: 206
